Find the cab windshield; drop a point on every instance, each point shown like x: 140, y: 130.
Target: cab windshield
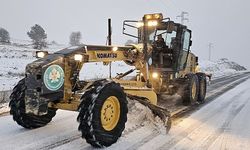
x: 168, y: 37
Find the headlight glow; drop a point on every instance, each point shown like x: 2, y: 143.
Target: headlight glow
x: 148, y: 17
x: 115, y: 48
x: 157, y: 16
x: 139, y: 24
x: 78, y: 57
x: 155, y: 75
x: 152, y: 23
x: 41, y: 54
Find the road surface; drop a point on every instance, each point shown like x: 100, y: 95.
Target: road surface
x: 221, y: 123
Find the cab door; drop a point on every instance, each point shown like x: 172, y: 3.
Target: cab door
x: 183, y: 55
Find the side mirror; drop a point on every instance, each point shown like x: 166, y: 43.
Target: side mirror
x: 190, y: 43
x: 196, y: 59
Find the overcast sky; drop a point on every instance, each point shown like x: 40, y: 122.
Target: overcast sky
x: 226, y: 23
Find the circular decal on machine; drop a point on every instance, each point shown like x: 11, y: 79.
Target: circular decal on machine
x: 53, y: 77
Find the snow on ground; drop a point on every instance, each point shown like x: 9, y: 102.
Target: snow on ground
x: 221, y: 124
x: 4, y: 108
x: 64, y: 127
x: 220, y: 67
x: 13, y: 60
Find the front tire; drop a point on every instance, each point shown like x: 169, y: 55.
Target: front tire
x: 103, y: 113
x: 17, y: 109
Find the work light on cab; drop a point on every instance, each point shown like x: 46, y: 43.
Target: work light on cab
x: 157, y: 16
x: 152, y: 23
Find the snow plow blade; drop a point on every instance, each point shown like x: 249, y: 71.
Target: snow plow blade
x: 161, y: 112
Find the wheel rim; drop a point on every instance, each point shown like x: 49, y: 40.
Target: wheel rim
x: 110, y: 113
x: 194, y: 90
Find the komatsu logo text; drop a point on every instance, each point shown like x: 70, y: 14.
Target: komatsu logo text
x: 106, y: 55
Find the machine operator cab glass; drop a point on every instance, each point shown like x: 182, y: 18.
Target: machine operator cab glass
x: 171, y: 44
x: 162, y: 54
x: 170, y: 41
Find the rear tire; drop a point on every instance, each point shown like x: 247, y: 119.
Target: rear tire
x: 103, y: 113
x: 17, y: 109
x: 202, y: 87
x: 190, y: 90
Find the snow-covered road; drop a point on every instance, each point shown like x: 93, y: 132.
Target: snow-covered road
x: 223, y: 123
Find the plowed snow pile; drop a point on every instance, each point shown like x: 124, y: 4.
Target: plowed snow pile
x: 4, y: 108
x: 141, y: 116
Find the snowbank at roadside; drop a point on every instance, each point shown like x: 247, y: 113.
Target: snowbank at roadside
x: 4, y: 108
x: 221, y: 67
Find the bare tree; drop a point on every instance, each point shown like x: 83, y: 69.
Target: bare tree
x: 38, y: 36
x: 4, y: 36
x: 75, y: 38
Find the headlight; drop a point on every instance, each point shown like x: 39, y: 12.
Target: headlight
x: 114, y: 48
x: 155, y: 75
x: 139, y: 24
x: 157, y: 16
x: 152, y: 23
x: 78, y: 57
x: 148, y: 16
x: 41, y: 54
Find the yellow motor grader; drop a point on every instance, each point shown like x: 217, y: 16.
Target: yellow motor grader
x: 163, y: 64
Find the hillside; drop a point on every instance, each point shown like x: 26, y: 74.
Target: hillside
x: 14, y: 58
x: 221, y: 67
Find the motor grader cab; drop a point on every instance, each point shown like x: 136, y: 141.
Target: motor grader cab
x: 52, y: 82
x: 170, y: 59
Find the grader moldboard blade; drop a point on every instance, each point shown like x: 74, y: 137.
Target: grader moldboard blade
x: 162, y: 113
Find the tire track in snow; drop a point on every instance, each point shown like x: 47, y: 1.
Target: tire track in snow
x: 235, y: 109
x: 68, y: 139
x: 212, y: 94
x: 240, y: 79
x: 220, y: 79
x: 144, y: 140
x: 61, y: 142
x: 214, y: 91
x: 154, y: 133
x: 225, y: 80
x: 173, y: 141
